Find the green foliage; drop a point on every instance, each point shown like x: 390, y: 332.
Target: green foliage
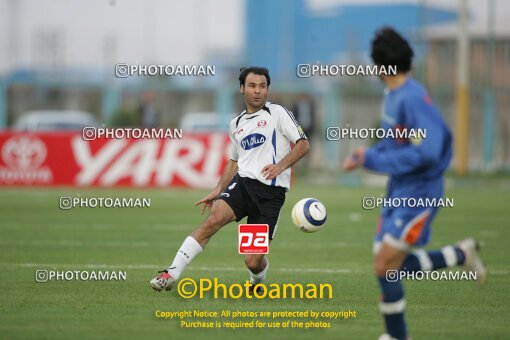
x: 125, y: 117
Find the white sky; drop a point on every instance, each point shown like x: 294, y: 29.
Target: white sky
x: 152, y: 31
x: 158, y: 31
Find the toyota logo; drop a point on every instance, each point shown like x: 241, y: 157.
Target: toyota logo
x: 24, y: 152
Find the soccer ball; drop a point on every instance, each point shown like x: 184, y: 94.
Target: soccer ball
x: 309, y: 215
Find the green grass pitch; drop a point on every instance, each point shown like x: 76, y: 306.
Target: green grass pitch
x: 36, y: 234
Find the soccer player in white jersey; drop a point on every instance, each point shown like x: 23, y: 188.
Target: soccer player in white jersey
x: 255, y: 180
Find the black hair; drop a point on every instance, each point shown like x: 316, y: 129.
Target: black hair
x: 262, y: 71
x: 390, y: 48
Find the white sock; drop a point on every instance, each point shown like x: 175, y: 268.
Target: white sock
x: 260, y: 277
x: 189, y: 249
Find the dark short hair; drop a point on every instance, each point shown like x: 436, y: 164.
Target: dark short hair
x: 262, y: 71
x: 390, y: 48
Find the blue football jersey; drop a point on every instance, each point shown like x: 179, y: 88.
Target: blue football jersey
x: 416, y: 165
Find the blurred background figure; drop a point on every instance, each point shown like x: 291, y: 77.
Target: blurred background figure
x: 147, y: 112
x: 304, y: 110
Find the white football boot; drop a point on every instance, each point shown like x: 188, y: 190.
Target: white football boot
x: 163, y: 281
x: 473, y: 263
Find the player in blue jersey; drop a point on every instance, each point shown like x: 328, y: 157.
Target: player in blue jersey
x: 416, y: 167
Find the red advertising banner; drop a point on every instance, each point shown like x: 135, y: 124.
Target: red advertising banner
x: 67, y: 159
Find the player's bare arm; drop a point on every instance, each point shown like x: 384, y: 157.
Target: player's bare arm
x: 228, y: 173
x: 301, y: 148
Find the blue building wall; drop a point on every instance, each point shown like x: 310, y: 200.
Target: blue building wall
x: 281, y: 34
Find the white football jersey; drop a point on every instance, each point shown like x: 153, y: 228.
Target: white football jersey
x: 261, y: 138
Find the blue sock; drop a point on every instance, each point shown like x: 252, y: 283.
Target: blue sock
x: 448, y: 256
x: 392, y: 307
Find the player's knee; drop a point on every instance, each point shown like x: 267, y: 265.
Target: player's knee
x: 207, y: 229
x: 381, y: 266
x: 213, y: 222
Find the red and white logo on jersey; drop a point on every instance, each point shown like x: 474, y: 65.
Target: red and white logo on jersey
x: 253, y: 239
x: 240, y: 131
x: 262, y: 124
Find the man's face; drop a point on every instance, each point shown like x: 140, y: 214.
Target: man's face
x: 255, y: 90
